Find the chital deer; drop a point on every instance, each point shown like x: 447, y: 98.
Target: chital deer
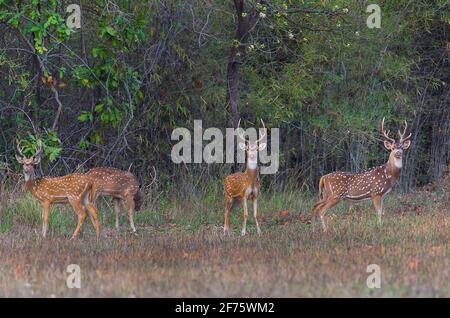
x: 73, y: 189
x: 373, y: 184
x: 244, y: 185
x: 121, y: 185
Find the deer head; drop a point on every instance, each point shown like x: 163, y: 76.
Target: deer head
x: 252, y: 148
x: 396, y: 148
x: 28, y: 163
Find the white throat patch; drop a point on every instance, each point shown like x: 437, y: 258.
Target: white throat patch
x: 252, y: 164
x: 398, y: 163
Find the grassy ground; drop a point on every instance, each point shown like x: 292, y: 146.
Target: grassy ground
x: 180, y: 251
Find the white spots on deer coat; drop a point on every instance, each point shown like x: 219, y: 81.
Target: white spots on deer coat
x: 58, y: 189
x: 112, y: 181
x: 242, y: 184
x: 362, y: 185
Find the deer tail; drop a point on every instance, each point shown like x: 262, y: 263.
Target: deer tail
x: 321, y: 185
x: 319, y: 203
x: 87, y: 193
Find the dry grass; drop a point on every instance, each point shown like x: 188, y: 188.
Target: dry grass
x: 180, y: 251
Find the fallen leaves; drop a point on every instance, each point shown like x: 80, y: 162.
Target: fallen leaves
x: 412, y: 264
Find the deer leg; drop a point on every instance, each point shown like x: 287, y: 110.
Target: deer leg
x: 81, y: 213
x: 93, y: 196
x: 93, y: 214
x: 90, y: 216
x: 117, y: 210
x: 45, y: 213
x: 322, y: 218
x: 226, y: 222
x: 329, y: 204
x: 130, y: 207
x: 255, y: 214
x: 88, y: 206
x: 315, y: 211
x: 378, y: 202
x: 323, y: 199
x: 244, y: 202
x: 350, y: 207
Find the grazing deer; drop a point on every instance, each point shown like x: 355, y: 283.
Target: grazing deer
x: 244, y: 185
x: 73, y: 189
x: 373, y: 184
x: 121, y: 185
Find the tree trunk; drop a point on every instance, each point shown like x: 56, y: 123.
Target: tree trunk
x: 235, y: 59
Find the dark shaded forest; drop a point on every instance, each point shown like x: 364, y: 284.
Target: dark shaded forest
x: 111, y: 92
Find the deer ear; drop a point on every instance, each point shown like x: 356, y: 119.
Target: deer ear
x: 36, y: 160
x: 406, y: 144
x: 19, y: 159
x: 388, y: 144
x: 242, y: 146
x: 262, y: 146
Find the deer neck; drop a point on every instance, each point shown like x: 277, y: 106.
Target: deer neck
x: 393, y: 168
x: 30, y: 180
x: 252, y: 172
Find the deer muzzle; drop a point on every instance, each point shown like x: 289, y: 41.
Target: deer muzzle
x: 398, y: 154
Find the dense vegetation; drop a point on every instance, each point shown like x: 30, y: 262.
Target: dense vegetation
x: 111, y: 92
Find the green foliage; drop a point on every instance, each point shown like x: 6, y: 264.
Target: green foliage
x: 137, y: 70
x: 48, y: 142
x: 46, y: 26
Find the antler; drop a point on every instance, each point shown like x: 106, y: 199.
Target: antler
x: 239, y: 133
x: 402, y: 135
x: 38, y: 152
x: 264, y: 132
x: 19, y: 148
x: 386, y: 133
x: 260, y: 138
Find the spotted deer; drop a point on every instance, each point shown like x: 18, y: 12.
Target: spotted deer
x: 373, y: 184
x: 241, y: 186
x: 73, y: 188
x: 121, y: 185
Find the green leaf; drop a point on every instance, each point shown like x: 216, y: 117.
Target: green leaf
x: 52, y: 152
x: 98, y: 52
x: 105, y: 117
x: 14, y: 21
x: 110, y: 30
x: 61, y: 72
x: 3, y: 13
x: 99, y: 108
x: 83, y: 144
x: 85, y: 116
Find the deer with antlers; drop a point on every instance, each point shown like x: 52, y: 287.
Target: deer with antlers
x: 73, y: 188
x: 373, y: 184
x: 242, y: 186
x: 121, y: 185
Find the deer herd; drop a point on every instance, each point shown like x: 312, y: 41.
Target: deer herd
x: 81, y: 190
